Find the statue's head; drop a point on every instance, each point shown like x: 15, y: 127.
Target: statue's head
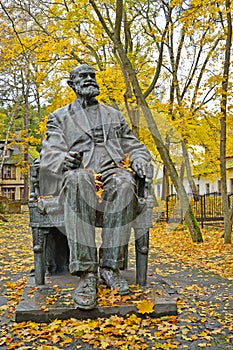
x: 83, y: 81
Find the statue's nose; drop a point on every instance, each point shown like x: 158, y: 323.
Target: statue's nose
x: 90, y: 77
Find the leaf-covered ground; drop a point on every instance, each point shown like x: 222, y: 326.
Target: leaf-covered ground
x: 199, y: 274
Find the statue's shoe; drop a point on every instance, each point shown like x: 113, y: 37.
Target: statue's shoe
x: 113, y: 279
x: 85, y: 294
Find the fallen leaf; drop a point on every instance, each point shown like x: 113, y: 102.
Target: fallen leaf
x: 145, y: 306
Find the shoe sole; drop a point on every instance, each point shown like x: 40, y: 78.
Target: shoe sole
x: 85, y: 307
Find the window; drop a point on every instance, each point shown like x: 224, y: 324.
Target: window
x: 8, y: 192
x: 207, y: 188
x: 8, y: 172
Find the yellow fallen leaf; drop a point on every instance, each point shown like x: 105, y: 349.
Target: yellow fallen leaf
x: 203, y: 345
x: 44, y: 308
x: 11, y: 285
x: 145, y: 306
x: 67, y: 341
x: 104, y: 344
x: 47, y: 347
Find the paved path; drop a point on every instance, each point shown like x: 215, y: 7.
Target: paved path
x: 205, y: 303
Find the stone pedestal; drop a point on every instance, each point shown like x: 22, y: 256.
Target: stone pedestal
x: 54, y: 299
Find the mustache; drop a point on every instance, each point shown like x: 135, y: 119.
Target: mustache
x: 90, y: 84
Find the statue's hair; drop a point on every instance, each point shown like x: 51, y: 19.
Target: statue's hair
x: 77, y: 69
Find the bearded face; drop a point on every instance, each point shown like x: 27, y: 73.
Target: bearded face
x: 84, y: 83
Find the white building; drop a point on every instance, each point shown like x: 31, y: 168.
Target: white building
x: 204, y: 184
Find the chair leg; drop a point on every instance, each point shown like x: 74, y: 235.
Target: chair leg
x: 125, y: 257
x: 142, y: 249
x: 39, y: 260
x: 39, y: 268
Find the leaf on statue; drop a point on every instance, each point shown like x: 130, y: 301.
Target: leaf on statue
x: 99, y: 185
x: 45, y: 197
x: 126, y: 163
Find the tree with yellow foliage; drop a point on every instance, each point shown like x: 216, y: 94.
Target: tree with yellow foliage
x: 108, y: 29
x: 155, y: 59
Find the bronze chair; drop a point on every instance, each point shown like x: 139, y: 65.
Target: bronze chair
x: 51, y: 252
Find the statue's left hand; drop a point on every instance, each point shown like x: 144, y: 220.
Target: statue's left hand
x: 139, y: 165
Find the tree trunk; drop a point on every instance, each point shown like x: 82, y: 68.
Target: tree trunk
x: 227, y: 211
x: 152, y: 126
x: 189, y: 172
x: 182, y: 168
x: 165, y: 184
x: 165, y: 189
x: 6, y: 140
x: 26, y: 182
x: 135, y: 121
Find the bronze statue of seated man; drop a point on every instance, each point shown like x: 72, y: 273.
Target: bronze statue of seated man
x: 86, y: 138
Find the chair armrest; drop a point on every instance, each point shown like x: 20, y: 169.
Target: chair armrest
x: 145, y: 200
x: 144, y: 184
x: 34, y: 181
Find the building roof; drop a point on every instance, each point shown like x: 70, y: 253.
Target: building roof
x: 12, y: 154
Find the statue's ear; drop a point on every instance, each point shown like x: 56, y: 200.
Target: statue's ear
x: 70, y: 83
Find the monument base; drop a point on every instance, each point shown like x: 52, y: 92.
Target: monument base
x: 54, y: 300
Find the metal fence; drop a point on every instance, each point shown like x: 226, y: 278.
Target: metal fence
x: 206, y: 208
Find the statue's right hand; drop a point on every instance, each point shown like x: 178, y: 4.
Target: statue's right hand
x: 72, y: 160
